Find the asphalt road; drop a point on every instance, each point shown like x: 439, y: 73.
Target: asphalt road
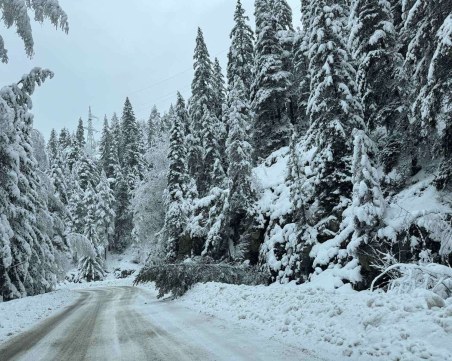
x: 127, y: 323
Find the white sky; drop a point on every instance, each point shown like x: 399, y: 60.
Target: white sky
x: 117, y: 48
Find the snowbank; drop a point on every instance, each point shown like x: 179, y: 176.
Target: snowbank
x: 338, y: 325
x: 19, y: 315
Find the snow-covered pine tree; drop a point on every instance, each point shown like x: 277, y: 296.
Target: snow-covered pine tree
x: 64, y: 139
x: 176, y: 191
x: 435, y: 100
x: 27, y: 252
x: 301, y: 80
x: 108, y: 153
x: 239, y: 151
x: 425, y: 34
x: 379, y: 76
x: 80, y: 135
x: 123, y: 214
x: 218, y: 87
x: 116, y: 137
x: 52, y: 147
x: 241, y: 51
x: 212, y: 174
x: 91, y: 267
x: 132, y: 162
x: 202, y: 96
x: 154, y: 126
x: 86, y: 172
x: 335, y: 110
x: 104, y: 213
x: 15, y: 13
x: 269, y: 90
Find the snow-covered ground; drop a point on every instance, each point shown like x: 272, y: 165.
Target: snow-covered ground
x: 349, y: 325
x: 19, y: 315
x: 336, y: 324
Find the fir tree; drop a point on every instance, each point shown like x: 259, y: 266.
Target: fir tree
x: 52, y: 147
x: 241, y: 51
x: 334, y: 110
x: 80, y: 135
x: 213, y: 173
x: 239, y: 151
x: 153, y: 127
x: 108, y: 157
x: 177, y: 181
x: 132, y: 160
x: 64, y: 139
x: 202, y: 96
x: 27, y: 252
x: 104, y: 213
x: 124, y: 216
x: 269, y: 90
x: 218, y: 86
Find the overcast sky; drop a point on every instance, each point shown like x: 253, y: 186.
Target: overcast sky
x: 117, y: 48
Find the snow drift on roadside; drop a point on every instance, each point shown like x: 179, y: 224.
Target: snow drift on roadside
x: 349, y: 325
x: 19, y: 315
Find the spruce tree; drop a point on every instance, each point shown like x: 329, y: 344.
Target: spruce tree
x: 132, y: 159
x: 104, y: 213
x: 176, y: 213
x: 212, y: 171
x: 52, y: 147
x: 335, y: 110
x: 154, y: 126
x: 27, y: 252
x: 239, y: 151
x: 202, y: 96
x: 64, y: 139
x: 218, y: 86
x: 241, y: 51
x: 107, y: 149
x: 80, y: 135
x: 271, y: 82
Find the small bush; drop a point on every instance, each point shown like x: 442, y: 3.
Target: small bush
x: 179, y: 278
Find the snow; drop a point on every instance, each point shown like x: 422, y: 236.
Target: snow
x: 350, y: 325
x: 19, y: 315
x: 270, y: 176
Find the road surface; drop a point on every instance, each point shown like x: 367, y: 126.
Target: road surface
x: 127, y: 323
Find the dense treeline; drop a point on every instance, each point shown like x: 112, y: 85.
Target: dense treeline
x: 357, y: 103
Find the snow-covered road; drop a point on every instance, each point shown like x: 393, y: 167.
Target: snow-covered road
x: 127, y: 323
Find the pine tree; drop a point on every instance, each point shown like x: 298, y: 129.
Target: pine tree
x: 335, y: 110
x: 202, y: 96
x: 269, y: 90
x: 108, y: 159
x: 239, y: 151
x: 132, y: 160
x: 86, y: 172
x: 64, y: 139
x: 241, y: 51
x: 104, y: 213
x: 218, y: 86
x: 213, y: 173
x: 52, y: 148
x: 27, y: 252
x: 177, y: 181
x: 124, y: 216
x: 373, y: 41
x: 80, y: 135
x: 153, y: 127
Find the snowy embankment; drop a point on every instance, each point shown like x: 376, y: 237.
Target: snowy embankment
x: 19, y: 315
x: 338, y: 325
